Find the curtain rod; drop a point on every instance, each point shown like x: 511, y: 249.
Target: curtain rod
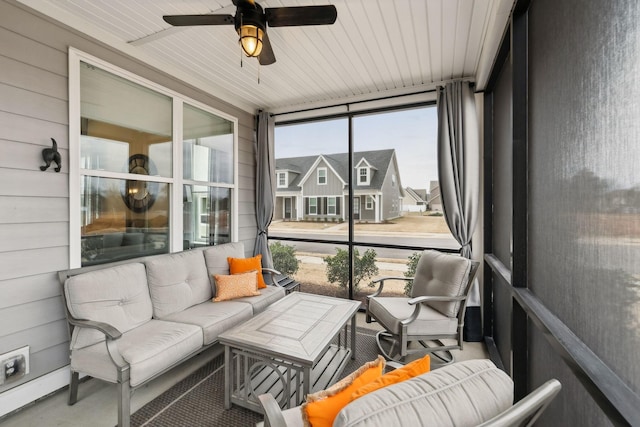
x: 347, y: 104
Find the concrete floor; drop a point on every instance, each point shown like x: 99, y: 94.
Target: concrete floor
x: 96, y: 406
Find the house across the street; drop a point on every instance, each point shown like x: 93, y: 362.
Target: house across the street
x: 315, y: 188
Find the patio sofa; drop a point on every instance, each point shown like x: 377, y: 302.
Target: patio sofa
x: 469, y: 393
x: 132, y: 321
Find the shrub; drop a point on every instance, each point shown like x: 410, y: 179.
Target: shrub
x: 411, y: 271
x: 338, y: 267
x: 284, y: 258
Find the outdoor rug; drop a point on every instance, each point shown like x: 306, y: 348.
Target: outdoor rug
x: 198, y: 400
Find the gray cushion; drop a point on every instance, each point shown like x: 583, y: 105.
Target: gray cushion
x: 267, y: 296
x: 216, y: 259
x: 213, y: 317
x: 463, y: 394
x: 149, y: 349
x: 440, y: 274
x: 118, y: 296
x: 389, y: 311
x: 177, y: 281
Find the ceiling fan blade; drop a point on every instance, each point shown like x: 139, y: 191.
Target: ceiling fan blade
x: 187, y: 20
x: 301, y: 15
x: 266, y: 56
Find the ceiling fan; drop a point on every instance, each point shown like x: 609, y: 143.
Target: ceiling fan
x: 251, y: 22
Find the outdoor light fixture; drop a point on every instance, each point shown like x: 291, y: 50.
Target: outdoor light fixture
x: 251, y: 39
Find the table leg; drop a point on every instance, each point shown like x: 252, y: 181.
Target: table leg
x: 306, y: 383
x: 353, y: 337
x: 228, y: 375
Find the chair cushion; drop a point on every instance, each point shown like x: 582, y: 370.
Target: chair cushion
x: 118, y: 296
x: 149, y: 349
x: 177, y: 281
x: 440, y: 274
x: 462, y: 394
x: 389, y: 311
x: 213, y: 317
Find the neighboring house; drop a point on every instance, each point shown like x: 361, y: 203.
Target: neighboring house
x: 414, y: 200
x: 315, y: 188
x: 434, y: 202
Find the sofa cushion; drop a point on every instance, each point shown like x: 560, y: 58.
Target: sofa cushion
x: 267, y: 296
x: 177, y: 281
x: 462, y: 394
x: 118, y: 296
x: 149, y: 349
x: 213, y: 317
x: 440, y: 274
x: 391, y: 310
x: 216, y: 259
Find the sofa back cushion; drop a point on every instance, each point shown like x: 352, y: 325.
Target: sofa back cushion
x: 216, y: 259
x: 462, y: 394
x: 177, y: 281
x: 440, y: 274
x: 117, y: 295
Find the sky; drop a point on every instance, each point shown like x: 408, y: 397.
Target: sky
x: 412, y: 133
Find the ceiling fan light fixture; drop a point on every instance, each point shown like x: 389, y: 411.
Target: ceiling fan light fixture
x: 251, y: 39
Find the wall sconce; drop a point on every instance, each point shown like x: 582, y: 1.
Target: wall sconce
x: 51, y: 155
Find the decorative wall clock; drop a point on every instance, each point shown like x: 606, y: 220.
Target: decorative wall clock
x: 139, y: 196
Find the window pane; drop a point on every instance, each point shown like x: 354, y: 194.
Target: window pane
x: 208, y: 147
x: 111, y: 230
x: 207, y: 219
x: 120, y: 119
x: 398, y: 188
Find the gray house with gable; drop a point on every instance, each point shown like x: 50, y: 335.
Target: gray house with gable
x: 315, y: 188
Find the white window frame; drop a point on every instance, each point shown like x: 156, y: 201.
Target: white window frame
x: 318, y: 176
x: 334, y: 206
x: 315, y: 205
x: 286, y: 180
x: 366, y: 175
x: 368, y: 203
x: 176, y: 182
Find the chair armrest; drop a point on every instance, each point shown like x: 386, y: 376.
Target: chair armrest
x: 109, y: 331
x: 381, y: 282
x: 528, y: 409
x: 272, y: 274
x: 272, y: 413
x: 417, y: 300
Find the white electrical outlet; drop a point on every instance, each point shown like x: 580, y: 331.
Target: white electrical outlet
x: 14, y: 364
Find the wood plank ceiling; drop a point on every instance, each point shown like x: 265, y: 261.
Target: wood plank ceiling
x: 376, y: 48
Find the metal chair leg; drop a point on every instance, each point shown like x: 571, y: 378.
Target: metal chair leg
x: 444, y: 355
x: 73, y: 388
x: 124, y: 404
x: 391, y: 354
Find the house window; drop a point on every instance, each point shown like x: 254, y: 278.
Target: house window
x: 393, y: 180
x: 363, y: 176
x: 313, y: 205
x: 282, y: 180
x: 369, y: 203
x: 322, y: 176
x: 331, y: 206
x: 131, y: 188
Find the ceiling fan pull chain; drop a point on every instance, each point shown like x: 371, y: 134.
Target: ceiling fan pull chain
x: 240, y: 44
x: 259, y: 66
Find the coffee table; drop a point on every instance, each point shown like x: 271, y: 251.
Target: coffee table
x: 287, y: 350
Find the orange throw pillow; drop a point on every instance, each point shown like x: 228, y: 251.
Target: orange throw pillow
x: 235, y: 286
x: 321, y: 408
x: 242, y: 265
x: 410, y: 370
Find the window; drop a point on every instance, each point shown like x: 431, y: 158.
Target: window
x: 134, y: 196
x: 393, y: 180
x: 282, y: 180
x: 322, y: 176
x: 363, y: 176
x: 331, y: 206
x: 313, y: 206
x: 369, y: 203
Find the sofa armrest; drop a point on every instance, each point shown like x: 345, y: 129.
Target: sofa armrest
x: 272, y: 274
x: 272, y: 413
x: 109, y: 331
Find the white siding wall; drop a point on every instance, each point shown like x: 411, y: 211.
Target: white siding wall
x: 34, y: 205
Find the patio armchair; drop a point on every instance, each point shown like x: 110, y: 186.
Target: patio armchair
x: 433, y: 312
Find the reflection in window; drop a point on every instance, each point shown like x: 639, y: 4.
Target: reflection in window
x: 206, y: 219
